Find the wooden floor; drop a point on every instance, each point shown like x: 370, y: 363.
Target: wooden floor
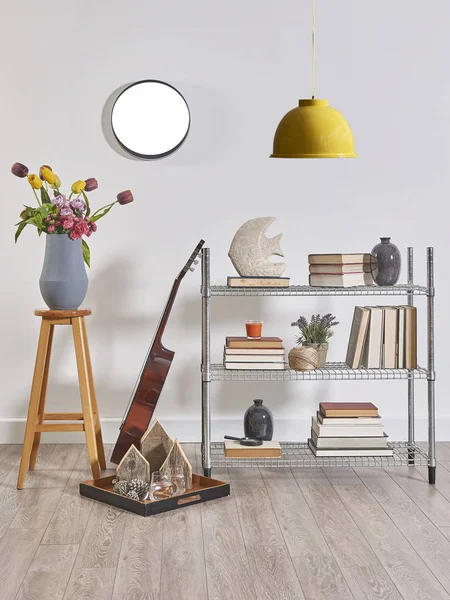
x: 307, y: 533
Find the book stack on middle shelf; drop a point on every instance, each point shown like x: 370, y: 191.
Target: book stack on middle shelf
x: 340, y: 270
x: 265, y: 353
x: 383, y: 337
x: 348, y: 429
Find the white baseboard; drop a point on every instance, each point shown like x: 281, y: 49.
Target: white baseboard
x: 12, y: 429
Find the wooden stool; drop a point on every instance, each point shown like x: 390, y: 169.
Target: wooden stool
x: 36, y: 415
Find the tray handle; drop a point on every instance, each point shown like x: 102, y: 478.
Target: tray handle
x: 189, y: 499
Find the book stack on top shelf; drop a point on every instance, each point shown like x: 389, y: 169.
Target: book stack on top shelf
x: 265, y: 353
x: 339, y: 270
x: 348, y: 429
x: 383, y: 337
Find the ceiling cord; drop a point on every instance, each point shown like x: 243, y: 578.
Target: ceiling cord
x: 313, y: 48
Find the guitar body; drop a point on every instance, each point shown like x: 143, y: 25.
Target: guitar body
x: 152, y: 378
x: 144, y: 403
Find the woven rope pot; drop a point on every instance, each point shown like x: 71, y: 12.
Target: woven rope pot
x: 322, y: 350
x: 303, y: 358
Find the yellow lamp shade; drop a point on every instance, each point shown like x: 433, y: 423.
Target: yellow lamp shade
x: 313, y: 130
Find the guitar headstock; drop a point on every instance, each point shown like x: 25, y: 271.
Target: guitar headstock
x: 193, y: 259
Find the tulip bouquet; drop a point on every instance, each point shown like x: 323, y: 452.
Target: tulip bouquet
x: 61, y: 214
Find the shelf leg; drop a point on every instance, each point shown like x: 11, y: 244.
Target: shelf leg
x: 431, y: 375
x: 206, y: 363
x: 411, y: 434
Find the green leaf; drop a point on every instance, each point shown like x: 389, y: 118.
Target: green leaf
x: 44, y: 195
x: 103, y: 213
x: 86, y: 253
x: 20, y: 228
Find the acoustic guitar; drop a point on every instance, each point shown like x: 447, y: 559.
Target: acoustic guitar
x: 151, y: 378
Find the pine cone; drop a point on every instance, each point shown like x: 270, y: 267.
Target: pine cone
x: 133, y: 495
x: 140, y: 487
x: 120, y: 486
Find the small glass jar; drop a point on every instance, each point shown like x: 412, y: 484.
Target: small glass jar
x: 176, y: 476
x: 161, y: 487
x: 253, y: 329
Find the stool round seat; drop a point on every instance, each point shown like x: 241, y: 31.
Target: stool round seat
x: 62, y: 314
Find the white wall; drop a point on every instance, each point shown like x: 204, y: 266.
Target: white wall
x: 241, y: 66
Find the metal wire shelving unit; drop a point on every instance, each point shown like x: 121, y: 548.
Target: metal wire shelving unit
x: 297, y: 454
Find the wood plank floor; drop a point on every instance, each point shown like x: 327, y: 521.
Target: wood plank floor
x: 314, y: 534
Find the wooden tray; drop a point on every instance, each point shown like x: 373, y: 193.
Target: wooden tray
x: 203, y: 489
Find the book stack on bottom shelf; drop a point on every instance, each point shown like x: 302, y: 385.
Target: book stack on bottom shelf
x: 265, y: 353
x: 348, y: 429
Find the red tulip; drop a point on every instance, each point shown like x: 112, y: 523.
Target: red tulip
x: 19, y: 170
x: 125, y: 197
x: 91, y: 184
x: 40, y: 171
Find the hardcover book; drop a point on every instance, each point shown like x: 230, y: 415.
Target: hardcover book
x: 349, y: 442
x: 263, y: 342
x: 373, y: 347
x: 258, y: 281
x: 233, y: 449
x: 340, y: 269
x: 335, y: 431
x: 337, y: 280
x: 253, y: 351
x: 272, y: 366
x: 340, y: 259
x: 377, y: 421
x: 357, y: 337
x: 348, y: 409
x: 349, y: 451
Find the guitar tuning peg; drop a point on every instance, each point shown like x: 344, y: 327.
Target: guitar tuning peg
x: 195, y: 262
x: 191, y: 268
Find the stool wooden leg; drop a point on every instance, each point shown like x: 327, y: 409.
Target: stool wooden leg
x: 85, y: 393
x: 41, y: 408
x: 35, y: 397
x: 98, y: 430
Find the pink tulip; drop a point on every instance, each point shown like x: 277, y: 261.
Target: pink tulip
x: 19, y: 170
x: 125, y: 197
x: 91, y: 184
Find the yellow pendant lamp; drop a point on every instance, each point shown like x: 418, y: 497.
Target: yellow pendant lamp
x: 313, y: 129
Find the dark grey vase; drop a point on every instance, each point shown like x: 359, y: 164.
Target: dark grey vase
x: 386, y: 262
x: 63, y: 281
x: 258, y: 421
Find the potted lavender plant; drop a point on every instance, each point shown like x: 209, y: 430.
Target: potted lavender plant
x: 316, y: 333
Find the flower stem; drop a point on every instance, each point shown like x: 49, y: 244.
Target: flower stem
x: 37, y: 197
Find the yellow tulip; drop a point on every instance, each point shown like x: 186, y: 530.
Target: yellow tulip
x: 57, y: 184
x: 35, y: 182
x: 48, y: 175
x: 78, y: 186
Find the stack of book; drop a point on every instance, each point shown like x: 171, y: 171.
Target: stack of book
x: 348, y: 429
x: 258, y: 281
x: 339, y: 270
x: 265, y: 353
x: 383, y: 337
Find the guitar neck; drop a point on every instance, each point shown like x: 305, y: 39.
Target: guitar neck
x: 166, y: 313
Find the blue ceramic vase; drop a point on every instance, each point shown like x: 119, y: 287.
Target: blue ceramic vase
x: 63, y: 281
x: 387, y: 262
x: 258, y: 422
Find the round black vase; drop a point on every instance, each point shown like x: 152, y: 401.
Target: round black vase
x: 387, y: 262
x: 258, y: 422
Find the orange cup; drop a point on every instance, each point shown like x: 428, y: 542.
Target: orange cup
x: 254, y: 329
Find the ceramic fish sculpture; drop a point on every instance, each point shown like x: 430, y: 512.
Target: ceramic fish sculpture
x: 250, y: 250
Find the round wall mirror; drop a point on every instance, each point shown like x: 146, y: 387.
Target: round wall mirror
x: 150, y: 119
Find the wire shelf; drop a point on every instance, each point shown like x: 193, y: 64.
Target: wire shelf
x: 306, y: 290
x: 298, y: 454
x: 332, y: 371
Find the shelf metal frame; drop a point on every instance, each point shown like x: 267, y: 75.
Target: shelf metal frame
x: 297, y: 453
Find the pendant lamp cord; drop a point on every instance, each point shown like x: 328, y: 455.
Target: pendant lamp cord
x: 313, y: 48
